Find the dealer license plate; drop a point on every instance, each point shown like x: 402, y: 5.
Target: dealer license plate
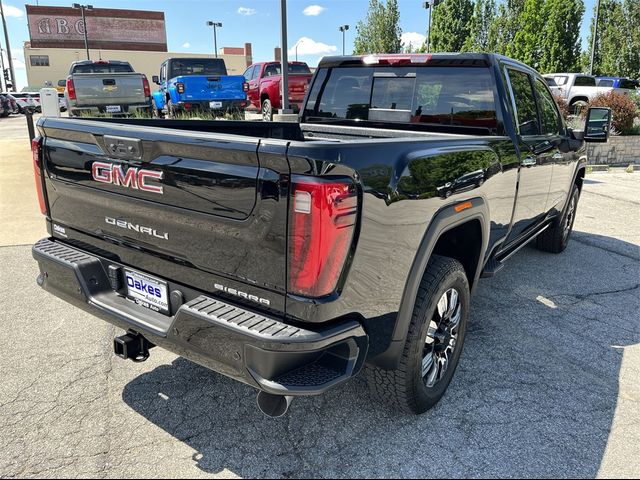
x: 215, y: 104
x: 147, y: 291
x: 114, y: 109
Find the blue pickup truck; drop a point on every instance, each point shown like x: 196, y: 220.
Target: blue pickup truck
x: 197, y: 84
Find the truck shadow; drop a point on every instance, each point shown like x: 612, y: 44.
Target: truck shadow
x: 535, y: 393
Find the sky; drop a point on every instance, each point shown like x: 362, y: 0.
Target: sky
x: 312, y: 25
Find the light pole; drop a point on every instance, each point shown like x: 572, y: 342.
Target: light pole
x: 6, y: 39
x: 430, y: 5
x: 593, y: 40
x: 284, y: 69
x: 2, y: 72
x: 343, y: 29
x: 215, y: 25
x: 84, y: 24
x: 296, y: 47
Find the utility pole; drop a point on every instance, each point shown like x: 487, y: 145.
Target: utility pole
x: 82, y: 8
x: 343, y: 29
x: 6, y: 39
x: 215, y: 25
x: 4, y: 89
x: 431, y: 7
x: 285, y: 58
x: 593, y: 40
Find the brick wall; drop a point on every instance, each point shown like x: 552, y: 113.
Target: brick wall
x: 619, y: 150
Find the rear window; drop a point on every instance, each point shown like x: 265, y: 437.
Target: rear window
x: 275, y: 69
x: 629, y: 84
x: 453, y: 96
x: 103, y: 68
x: 585, y: 82
x: 197, y: 66
x: 605, y: 83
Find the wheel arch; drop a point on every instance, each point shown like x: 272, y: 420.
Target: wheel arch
x: 444, y: 227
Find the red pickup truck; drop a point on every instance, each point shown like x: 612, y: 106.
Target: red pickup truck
x: 264, y: 86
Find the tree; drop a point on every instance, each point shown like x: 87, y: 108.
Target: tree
x: 503, y: 29
x: 611, y: 40
x: 527, y: 40
x: 484, y: 14
x: 560, y: 36
x: 631, y: 52
x: 380, y: 32
x: 450, y: 25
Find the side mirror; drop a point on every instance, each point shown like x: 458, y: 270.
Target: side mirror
x: 156, y: 79
x: 62, y: 83
x: 598, y: 125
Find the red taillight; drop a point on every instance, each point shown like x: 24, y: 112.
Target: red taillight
x: 145, y: 85
x: 37, y: 171
x: 180, y: 87
x: 323, y: 219
x: 71, y: 89
x: 245, y: 87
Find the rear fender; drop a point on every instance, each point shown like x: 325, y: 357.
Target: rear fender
x: 158, y: 97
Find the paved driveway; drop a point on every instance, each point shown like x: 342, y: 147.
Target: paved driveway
x: 547, y: 385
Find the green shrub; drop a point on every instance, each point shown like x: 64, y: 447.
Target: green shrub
x: 623, y: 110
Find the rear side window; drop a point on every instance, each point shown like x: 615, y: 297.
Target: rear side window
x: 102, y: 68
x: 605, y: 83
x: 458, y: 96
x: 585, y: 82
x: 560, y: 79
x: 628, y: 84
x: 526, y: 111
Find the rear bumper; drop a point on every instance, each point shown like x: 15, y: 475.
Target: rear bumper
x: 227, y: 105
x: 100, y: 110
x: 256, y: 349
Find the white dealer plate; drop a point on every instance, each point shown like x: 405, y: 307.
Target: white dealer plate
x: 215, y: 104
x: 113, y: 109
x: 147, y: 291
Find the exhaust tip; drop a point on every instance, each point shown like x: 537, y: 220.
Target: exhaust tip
x: 273, y: 406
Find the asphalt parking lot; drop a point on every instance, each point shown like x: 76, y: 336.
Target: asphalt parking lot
x: 547, y: 386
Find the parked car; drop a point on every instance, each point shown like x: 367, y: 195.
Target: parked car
x: 27, y: 101
x: 13, y: 103
x: 577, y: 89
x: 197, y: 84
x: 5, y: 106
x: 106, y: 87
x: 618, y: 82
x: 289, y: 255
x: 265, y: 91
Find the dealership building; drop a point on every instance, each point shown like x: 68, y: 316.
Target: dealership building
x: 135, y: 36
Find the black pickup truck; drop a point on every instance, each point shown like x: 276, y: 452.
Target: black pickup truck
x: 292, y: 256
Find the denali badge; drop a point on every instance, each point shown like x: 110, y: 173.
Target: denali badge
x: 134, y: 178
x: 136, y: 228
x: 238, y: 293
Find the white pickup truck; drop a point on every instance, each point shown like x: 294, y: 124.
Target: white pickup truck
x: 576, y: 88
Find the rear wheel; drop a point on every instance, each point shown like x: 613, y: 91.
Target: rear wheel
x: 578, y: 106
x: 556, y: 238
x: 155, y: 112
x: 171, y: 110
x: 434, y: 341
x: 267, y: 110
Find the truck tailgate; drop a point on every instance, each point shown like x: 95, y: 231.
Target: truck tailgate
x: 109, y: 89
x: 208, y: 210
x: 213, y: 87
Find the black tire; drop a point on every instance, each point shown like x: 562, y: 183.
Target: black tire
x: 267, y: 110
x: 171, y: 111
x: 556, y: 238
x: 406, y: 388
x: 577, y: 106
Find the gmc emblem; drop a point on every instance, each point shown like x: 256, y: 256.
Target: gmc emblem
x: 133, y: 178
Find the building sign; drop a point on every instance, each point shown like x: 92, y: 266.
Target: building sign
x: 62, y: 27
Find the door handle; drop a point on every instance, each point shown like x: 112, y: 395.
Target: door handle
x: 529, y: 162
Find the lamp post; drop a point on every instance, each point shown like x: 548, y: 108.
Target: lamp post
x: 593, y: 40
x: 284, y: 82
x: 430, y: 5
x: 343, y: 29
x: 82, y: 8
x: 296, y: 47
x: 215, y: 25
x: 2, y: 72
x: 6, y: 39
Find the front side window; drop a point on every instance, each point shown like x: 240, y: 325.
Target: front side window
x: 605, y: 83
x: 526, y: 110
x: 443, y: 95
x: 550, y: 116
